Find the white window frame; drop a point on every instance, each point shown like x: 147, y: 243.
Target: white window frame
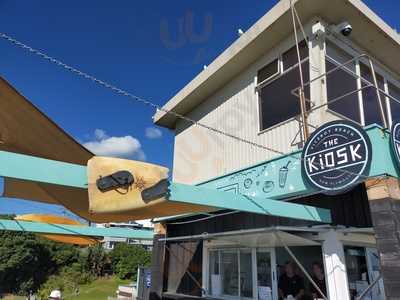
x: 386, y: 74
x: 358, y: 86
x: 276, y: 76
x: 206, y: 269
x: 278, y: 73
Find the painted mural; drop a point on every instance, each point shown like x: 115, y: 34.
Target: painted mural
x: 272, y: 179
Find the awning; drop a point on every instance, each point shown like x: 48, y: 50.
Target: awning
x: 264, y: 239
x: 73, y: 230
x: 260, y: 237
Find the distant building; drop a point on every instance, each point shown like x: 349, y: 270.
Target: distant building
x: 110, y: 242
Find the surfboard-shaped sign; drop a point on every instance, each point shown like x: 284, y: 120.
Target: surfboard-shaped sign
x: 136, y: 188
x: 336, y: 157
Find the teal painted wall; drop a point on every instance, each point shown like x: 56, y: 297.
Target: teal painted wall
x: 282, y: 178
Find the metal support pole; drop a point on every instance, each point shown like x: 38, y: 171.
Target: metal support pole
x: 369, y: 287
x: 378, y: 94
x: 306, y: 132
x: 303, y: 108
x: 300, y: 266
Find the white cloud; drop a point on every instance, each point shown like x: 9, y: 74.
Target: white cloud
x: 153, y: 133
x: 100, y: 134
x: 115, y: 146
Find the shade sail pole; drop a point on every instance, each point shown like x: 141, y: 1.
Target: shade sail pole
x: 303, y: 107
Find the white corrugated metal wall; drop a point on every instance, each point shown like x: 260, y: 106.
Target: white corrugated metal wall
x: 201, y: 154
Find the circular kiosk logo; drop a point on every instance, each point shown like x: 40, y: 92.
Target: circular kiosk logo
x: 395, y: 141
x: 335, y: 156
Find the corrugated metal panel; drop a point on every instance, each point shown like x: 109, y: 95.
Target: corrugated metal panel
x: 201, y: 154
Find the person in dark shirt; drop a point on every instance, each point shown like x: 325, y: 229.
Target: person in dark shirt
x: 319, y: 278
x: 290, y: 283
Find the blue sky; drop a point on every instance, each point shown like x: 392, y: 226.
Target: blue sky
x: 136, y: 45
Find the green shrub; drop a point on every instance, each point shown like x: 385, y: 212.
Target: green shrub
x: 67, y: 281
x: 125, y: 260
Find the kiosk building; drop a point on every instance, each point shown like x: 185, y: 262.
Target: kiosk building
x: 251, y: 94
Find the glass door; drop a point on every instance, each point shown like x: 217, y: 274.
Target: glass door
x: 266, y: 279
x: 230, y: 272
x: 374, y: 272
x: 242, y: 273
x: 362, y: 265
x: 246, y: 274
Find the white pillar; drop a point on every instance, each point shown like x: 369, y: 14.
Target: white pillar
x: 318, y: 94
x: 335, y: 267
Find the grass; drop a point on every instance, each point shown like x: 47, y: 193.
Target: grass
x: 99, y: 289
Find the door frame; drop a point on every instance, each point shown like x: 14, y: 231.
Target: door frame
x: 274, y: 278
x: 369, y: 251
x: 208, y: 247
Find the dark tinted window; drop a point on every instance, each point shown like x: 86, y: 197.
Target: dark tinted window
x: 339, y: 83
x: 268, y: 71
x: 289, y: 58
x: 277, y: 104
x: 370, y: 101
x: 394, y: 106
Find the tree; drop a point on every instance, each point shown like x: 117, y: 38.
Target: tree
x: 61, y: 254
x: 96, y: 260
x: 27, y: 260
x: 24, y: 262
x: 125, y: 260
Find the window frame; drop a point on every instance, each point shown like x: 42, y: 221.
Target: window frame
x: 253, y: 250
x: 273, y: 76
x: 387, y: 75
x: 356, y: 78
x: 278, y: 75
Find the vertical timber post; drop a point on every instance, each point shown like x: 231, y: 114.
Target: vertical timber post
x: 157, y: 262
x: 318, y: 91
x: 384, y: 203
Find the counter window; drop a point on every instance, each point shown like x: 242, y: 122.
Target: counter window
x: 262, y: 273
x: 231, y: 273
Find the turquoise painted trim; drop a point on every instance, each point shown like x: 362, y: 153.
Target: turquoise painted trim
x: 263, y: 179
x: 32, y: 168
x: 223, y: 200
x: 383, y: 160
x: 73, y: 230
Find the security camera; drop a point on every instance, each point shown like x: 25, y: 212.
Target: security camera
x: 344, y: 28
